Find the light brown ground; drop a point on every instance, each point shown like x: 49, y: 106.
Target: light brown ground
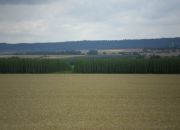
x: 89, y: 102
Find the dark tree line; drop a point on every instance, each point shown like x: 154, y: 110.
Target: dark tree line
x: 71, y: 52
x: 18, y: 65
x: 157, y: 66
x: 98, y: 65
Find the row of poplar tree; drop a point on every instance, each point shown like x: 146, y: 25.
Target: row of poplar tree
x: 110, y: 65
x: 159, y: 66
x: 28, y: 65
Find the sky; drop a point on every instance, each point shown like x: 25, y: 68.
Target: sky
x: 27, y: 21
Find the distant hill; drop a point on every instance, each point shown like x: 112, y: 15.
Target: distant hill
x: 91, y: 45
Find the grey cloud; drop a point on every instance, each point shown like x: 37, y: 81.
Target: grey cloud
x: 61, y: 20
x: 9, y: 2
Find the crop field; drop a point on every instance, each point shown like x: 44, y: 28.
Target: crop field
x: 42, y: 56
x: 89, y: 102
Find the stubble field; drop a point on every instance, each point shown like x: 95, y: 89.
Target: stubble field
x: 89, y: 102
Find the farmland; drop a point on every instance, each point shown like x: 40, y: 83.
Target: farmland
x: 89, y: 102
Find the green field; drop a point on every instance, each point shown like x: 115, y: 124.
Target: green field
x: 89, y: 102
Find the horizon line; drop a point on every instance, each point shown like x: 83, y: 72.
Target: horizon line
x: 89, y: 40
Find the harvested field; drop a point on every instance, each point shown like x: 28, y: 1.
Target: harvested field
x: 89, y: 102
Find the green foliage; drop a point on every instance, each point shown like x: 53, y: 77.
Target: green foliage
x: 157, y: 66
x: 18, y: 65
x: 97, y: 65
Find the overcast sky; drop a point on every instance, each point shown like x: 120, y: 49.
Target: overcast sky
x: 67, y: 20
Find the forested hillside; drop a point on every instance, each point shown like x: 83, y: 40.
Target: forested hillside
x: 92, y: 45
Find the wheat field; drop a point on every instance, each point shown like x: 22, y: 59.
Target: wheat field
x: 89, y: 102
